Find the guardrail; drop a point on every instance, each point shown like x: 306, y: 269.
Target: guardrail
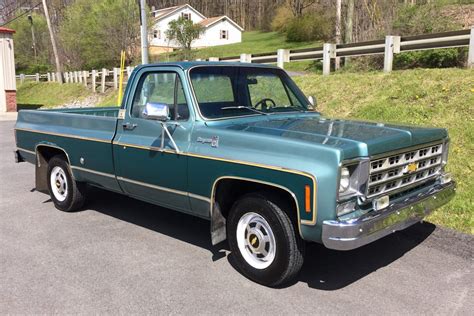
x: 388, y: 47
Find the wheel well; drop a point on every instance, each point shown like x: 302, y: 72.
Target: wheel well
x: 47, y: 152
x: 229, y: 190
x: 43, y: 154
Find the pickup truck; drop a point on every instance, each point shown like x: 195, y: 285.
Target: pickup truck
x: 240, y: 145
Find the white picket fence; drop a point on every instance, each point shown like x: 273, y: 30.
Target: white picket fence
x: 388, y: 47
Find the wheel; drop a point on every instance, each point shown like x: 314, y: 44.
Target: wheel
x: 67, y: 194
x: 263, y: 240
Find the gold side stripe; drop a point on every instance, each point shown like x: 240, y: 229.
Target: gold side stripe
x: 282, y: 169
x: 65, y: 135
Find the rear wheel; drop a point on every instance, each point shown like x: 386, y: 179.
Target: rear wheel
x: 263, y: 240
x: 66, y: 194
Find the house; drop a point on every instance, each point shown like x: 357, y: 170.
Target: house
x: 219, y: 30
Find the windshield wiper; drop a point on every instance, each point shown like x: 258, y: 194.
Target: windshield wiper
x: 289, y: 108
x: 244, y: 107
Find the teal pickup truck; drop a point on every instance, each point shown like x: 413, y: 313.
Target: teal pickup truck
x: 240, y: 145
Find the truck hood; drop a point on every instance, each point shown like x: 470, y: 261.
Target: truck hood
x: 355, y: 138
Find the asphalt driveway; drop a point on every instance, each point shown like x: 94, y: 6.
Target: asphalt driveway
x: 120, y: 255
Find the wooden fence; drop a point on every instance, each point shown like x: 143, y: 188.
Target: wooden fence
x: 388, y: 47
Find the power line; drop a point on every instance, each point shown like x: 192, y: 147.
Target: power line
x: 15, y: 7
x: 24, y: 13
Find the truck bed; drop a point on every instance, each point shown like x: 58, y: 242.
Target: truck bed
x: 87, y: 123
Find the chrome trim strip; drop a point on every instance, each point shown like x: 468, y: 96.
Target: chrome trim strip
x: 52, y: 146
x: 26, y: 150
x: 93, y: 171
x: 160, y: 188
x: 199, y: 197
x: 408, y: 149
x: 64, y: 135
x: 351, y: 234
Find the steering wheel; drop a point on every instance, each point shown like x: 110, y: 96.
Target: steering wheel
x: 263, y: 104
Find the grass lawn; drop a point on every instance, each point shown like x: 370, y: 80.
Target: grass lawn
x: 48, y: 94
x: 429, y: 97
x: 252, y: 43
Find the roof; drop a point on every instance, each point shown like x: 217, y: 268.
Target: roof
x: 162, y: 13
x: 6, y: 30
x: 210, y: 21
x: 189, y: 64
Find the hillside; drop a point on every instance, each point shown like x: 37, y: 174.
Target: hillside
x: 252, y: 43
x: 430, y: 97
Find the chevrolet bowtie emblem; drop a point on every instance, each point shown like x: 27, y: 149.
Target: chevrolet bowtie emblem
x: 412, y: 167
x: 254, y: 240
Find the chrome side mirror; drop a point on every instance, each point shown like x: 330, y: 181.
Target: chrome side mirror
x: 156, y: 111
x: 312, y: 100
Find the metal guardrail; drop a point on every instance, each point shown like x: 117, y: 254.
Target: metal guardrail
x: 389, y: 46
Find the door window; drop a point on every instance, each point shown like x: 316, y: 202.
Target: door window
x: 161, y: 87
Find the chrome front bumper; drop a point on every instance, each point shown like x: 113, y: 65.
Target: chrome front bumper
x: 352, y: 234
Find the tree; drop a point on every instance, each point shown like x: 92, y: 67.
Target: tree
x: 95, y: 31
x: 184, y: 32
x: 26, y: 60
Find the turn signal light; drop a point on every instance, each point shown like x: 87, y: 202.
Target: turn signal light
x: 307, y: 198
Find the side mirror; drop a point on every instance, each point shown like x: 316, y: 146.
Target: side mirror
x: 156, y: 111
x: 312, y: 100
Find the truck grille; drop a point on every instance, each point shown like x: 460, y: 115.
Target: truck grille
x: 397, y: 171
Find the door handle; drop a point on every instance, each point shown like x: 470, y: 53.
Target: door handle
x: 129, y: 126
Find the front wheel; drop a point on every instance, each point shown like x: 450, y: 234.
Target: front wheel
x: 263, y: 240
x: 66, y: 194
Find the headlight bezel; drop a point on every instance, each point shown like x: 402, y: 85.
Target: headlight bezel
x: 358, y: 177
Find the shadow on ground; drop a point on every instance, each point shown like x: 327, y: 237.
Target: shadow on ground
x: 323, y: 269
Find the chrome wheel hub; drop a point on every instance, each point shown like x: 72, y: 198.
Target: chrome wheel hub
x: 255, y: 240
x: 58, y: 183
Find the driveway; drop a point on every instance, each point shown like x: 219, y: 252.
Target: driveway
x: 120, y: 255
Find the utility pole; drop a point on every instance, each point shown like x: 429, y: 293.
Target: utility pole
x: 53, y: 43
x: 144, y: 32
x: 30, y: 18
x: 338, y: 29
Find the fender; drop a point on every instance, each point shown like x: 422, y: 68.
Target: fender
x: 218, y: 221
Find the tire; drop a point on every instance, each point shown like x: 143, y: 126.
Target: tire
x: 263, y: 240
x: 66, y: 194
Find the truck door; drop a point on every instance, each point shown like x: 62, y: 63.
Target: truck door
x: 146, y: 167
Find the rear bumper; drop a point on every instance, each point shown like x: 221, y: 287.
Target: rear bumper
x: 352, y: 234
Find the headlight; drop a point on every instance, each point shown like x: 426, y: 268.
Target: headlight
x: 353, y: 178
x: 344, y: 181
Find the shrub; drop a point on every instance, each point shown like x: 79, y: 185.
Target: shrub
x: 421, y: 19
x: 309, y: 27
x: 439, y: 58
x: 282, y: 17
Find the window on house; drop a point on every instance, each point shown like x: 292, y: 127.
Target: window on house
x: 186, y: 16
x: 156, y: 34
x: 224, y: 34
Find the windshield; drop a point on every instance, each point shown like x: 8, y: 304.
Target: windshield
x: 223, y: 91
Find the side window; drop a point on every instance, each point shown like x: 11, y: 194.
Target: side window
x: 161, y: 87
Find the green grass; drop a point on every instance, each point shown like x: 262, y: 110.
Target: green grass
x: 42, y: 94
x: 252, y: 43
x: 109, y: 99
x: 427, y: 97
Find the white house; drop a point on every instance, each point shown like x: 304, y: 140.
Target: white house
x: 219, y: 30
